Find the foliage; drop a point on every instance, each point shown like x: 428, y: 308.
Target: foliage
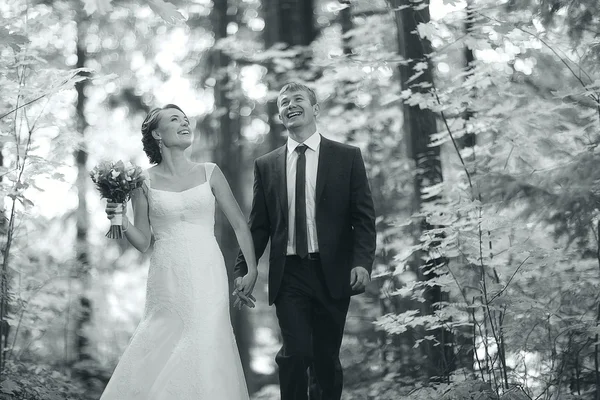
x: 579, y: 17
x: 32, y: 381
x: 517, y: 213
x: 167, y: 11
x: 528, y: 175
x: 32, y: 87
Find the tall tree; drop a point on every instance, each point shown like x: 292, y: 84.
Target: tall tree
x: 386, y: 201
x: 4, y: 293
x: 289, y: 23
x: 82, y: 266
x: 228, y: 157
x: 347, y: 25
x: 466, y: 340
x: 467, y: 141
x: 420, y: 124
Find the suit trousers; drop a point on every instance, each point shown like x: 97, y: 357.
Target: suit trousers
x: 312, y: 327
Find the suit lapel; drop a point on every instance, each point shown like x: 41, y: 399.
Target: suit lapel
x: 281, y: 179
x: 325, y: 166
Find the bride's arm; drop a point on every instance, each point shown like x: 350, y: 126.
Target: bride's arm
x: 236, y: 218
x: 138, y: 233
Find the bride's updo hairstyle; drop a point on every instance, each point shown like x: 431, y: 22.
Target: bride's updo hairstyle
x: 151, y: 146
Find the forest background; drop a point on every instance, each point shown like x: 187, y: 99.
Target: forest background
x: 479, y: 123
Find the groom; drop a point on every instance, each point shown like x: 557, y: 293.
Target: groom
x: 312, y: 200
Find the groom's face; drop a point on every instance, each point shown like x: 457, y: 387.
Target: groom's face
x: 295, y: 109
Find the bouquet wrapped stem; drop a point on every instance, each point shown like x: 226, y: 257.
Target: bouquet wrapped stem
x: 115, y: 182
x: 116, y: 224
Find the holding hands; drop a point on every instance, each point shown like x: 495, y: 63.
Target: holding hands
x: 243, y: 290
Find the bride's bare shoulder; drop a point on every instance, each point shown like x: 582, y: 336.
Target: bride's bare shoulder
x: 149, y: 171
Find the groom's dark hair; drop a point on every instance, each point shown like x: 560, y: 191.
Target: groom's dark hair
x: 296, y: 87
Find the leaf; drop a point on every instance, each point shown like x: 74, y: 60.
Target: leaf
x: 58, y: 176
x: 66, y: 80
x: 167, y: 11
x: 337, y: 7
x: 12, y: 39
x: 9, y: 387
x: 100, y: 6
x: 427, y: 31
x: 400, y: 8
x: 26, y: 202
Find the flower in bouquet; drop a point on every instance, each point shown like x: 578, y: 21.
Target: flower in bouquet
x: 115, y: 181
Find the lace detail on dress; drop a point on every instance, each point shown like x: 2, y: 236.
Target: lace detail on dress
x: 184, y: 346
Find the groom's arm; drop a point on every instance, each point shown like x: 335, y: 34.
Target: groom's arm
x: 259, y: 224
x: 362, y: 216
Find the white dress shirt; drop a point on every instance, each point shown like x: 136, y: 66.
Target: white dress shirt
x: 312, y: 163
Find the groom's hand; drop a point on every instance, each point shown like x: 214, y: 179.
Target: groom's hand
x: 359, y: 278
x: 243, y: 300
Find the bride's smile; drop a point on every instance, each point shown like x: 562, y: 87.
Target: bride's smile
x: 173, y: 129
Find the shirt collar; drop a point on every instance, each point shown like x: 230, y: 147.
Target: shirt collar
x: 313, y: 142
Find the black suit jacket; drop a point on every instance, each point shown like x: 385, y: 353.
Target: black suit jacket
x: 345, y: 217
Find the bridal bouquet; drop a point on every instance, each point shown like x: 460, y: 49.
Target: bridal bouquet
x: 115, y: 182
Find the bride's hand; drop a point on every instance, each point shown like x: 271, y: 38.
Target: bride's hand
x: 243, y: 289
x: 111, y: 209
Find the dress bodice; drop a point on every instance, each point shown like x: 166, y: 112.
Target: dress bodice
x: 173, y: 214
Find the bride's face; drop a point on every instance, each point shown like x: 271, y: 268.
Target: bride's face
x: 174, y: 128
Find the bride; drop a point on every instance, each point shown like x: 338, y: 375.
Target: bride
x: 184, y: 347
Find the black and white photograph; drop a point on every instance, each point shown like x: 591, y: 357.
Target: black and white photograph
x: 299, y: 200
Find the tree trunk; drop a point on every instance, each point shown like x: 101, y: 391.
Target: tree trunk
x: 83, y: 306
x: 419, y: 125
x: 469, y: 140
x: 280, y: 16
x: 390, y: 345
x: 4, y: 292
x: 228, y: 158
x: 465, y: 341
x: 346, y: 85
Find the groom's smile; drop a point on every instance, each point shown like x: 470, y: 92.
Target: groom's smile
x: 297, y: 111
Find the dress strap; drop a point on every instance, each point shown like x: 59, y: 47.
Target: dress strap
x: 209, y: 168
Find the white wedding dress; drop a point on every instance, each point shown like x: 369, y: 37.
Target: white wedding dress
x: 184, y: 347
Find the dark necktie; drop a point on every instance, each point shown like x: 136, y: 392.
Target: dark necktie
x: 300, y: 220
